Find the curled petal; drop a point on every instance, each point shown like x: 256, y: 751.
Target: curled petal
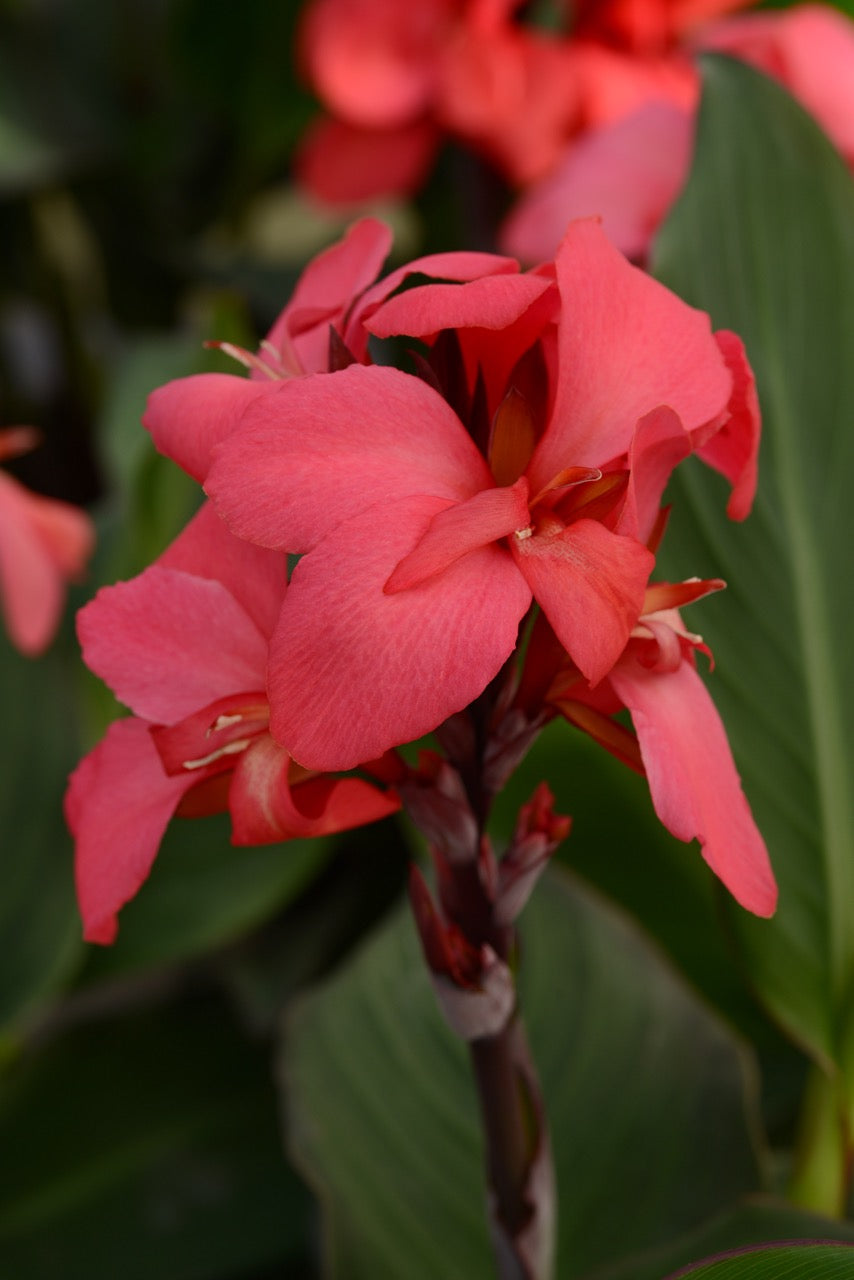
x: 354, y: 671
x: 328, y: 286
x: 458, y: 530
x: 267, y: 805
x: 734, y: 448
x: 118, y: 806
x: 692, y: 778
x: 492, y: 302
x: 590, y: 584
x: 659, y: 442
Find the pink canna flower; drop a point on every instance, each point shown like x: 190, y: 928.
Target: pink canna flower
x: 422, y: 551
x: 44, y: 544
x: 681, y: 744
x: 184, y: 645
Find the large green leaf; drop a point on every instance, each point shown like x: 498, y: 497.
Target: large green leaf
x: 763, y: 239
x: 39, y: 929
x: 648, y: 1098
x: 142, y: 1146
x: 203, y: 892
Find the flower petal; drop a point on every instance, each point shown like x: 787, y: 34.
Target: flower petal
x: 256, y: 577
x: 329, y: 285
x: 354, y: 671
x: 492, y: 302
x: 188, y: 416
x: 373, y: 61
x: 658, y: 444
x: 628, y: 172
x: 325, y: 448
x: 692, y: 778
x: 734, y: 448
x: 266, y: 808
x: 345, y: 164
x: 42, y: 543
x: 458, y: 530
x: 118, y: 805
x: 627, y: 345
x: 590, y: 584
x: 168, y: 643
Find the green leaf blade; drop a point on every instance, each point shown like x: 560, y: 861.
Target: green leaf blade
x: 638, y: 1078
x: 763, y: 239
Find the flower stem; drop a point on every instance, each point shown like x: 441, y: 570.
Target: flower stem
x: 520, y: 1175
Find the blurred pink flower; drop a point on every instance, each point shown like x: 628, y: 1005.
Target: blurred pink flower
x: 44, y: 544
x: 632, y: 159
x: 396, y: 82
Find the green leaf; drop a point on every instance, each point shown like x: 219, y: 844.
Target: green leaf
x: 204, y: 892
x: 763, y: 239
x: 783, y: 1262
x: 39, y: 926
x: 648, y: 1098
x: 145, y: 1146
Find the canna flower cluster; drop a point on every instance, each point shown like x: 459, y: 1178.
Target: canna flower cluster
x: 476, y: 533
x: 594, y: 115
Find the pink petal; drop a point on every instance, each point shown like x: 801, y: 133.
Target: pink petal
x: 354, y: 671
x: 512, y: 93
x: 694, y: 785
x: 627, y: 345
x: 613, y: 82
x: 734, y: 448
x: 329, y: 284
x: 118, y: 806
x: 344, y: 164
x: 372, y: 61
x: 590, y: 584
x: 188, y: 416
x: 266, y: 808
x: 323, y: 449
x: 659, y: 443
x: 42, y: 543
x: 459, y: 265
x: 168, y: 643
x: 256, y: 577
x: 458, y: 530
x: 628, y: 172
x: 493, y: 302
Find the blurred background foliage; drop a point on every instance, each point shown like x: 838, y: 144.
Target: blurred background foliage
x: 145, y: 1090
